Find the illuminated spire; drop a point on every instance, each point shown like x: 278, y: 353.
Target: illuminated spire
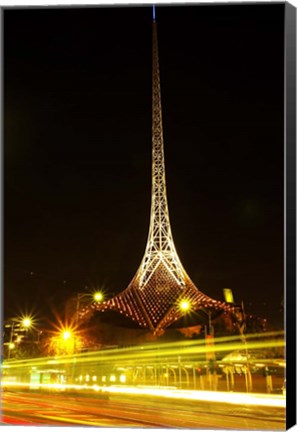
x: 161, y: 291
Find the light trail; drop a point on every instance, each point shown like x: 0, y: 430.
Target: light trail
x: 153, y: 352
x: 205, y: 396
x: 235, y: 398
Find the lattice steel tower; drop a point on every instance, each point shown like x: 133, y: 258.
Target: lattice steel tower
x: 161, y: 291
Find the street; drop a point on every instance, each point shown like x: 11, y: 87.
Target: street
x: 131, y: 411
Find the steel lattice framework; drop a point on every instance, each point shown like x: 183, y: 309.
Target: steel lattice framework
x: 154, y: 296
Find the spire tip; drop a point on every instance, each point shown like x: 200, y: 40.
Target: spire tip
x: 154, y: 12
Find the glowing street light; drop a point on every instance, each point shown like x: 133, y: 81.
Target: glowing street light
x: 185, y: 305
x: 26, y: 322
x: 16, y: 325
x: 64, y: 340
x: 66, y: 335
x: 98, y: 296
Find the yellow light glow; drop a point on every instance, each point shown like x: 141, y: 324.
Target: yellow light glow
x: 228, y: 294
x: 184, y: 305
x: 98, y: 296
x: 210, y: 396
x: 11, y: 345
x: 27, y: 322
x: 66, y: 335
x: 122, y: 378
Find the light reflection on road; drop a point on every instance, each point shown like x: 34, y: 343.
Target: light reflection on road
x: 124, y: 410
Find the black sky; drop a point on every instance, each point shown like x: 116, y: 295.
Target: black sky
x: 77, y: 149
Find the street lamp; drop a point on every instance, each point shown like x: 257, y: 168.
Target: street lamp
x: 98, y: 296
x: 185, y: 305
x: 66, y: 335
x: 26, y: 322
x: 11, y: 344
x: 14, y: 322
x: 63, y: 341
x: 16, y: 325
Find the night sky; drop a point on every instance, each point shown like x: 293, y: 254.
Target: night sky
x: 77, y: 149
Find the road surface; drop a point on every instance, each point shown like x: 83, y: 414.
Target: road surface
x: 123, y: 411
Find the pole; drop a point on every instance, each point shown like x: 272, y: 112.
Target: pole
x: 249, y: 383
x: 179, y: 373
x: 11, y: 339
x: 77, y: 309
x: 194, y: 377
x: 75, y: 336
x: 227, y: 380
